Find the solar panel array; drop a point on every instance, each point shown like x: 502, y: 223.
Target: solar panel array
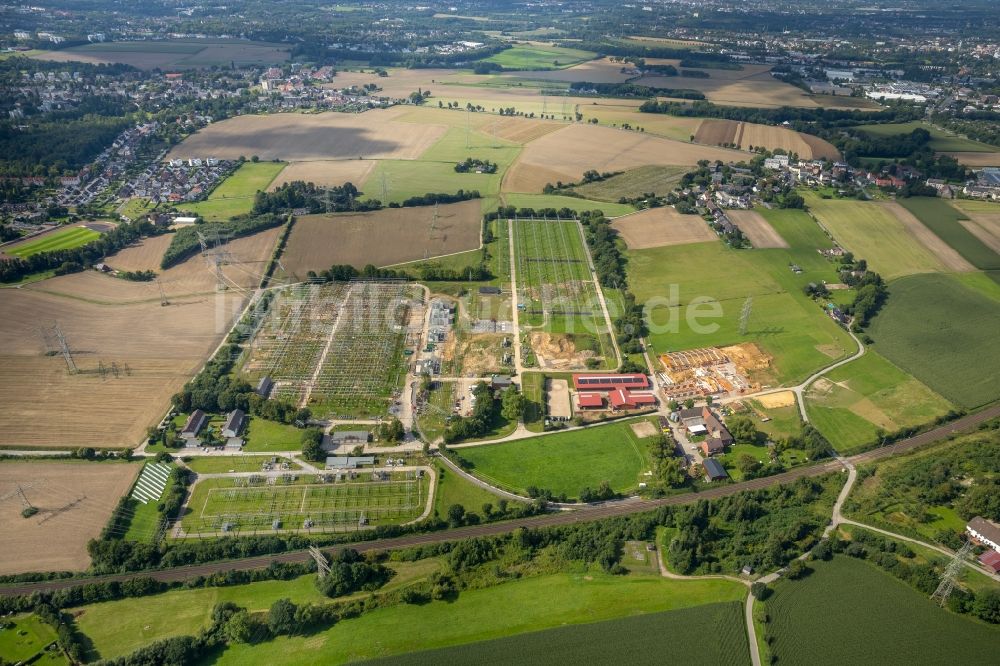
x: 152, y: 481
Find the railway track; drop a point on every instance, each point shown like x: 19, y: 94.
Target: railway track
x: 587, y: 514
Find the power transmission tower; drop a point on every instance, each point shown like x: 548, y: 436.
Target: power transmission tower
x: 163, y: 296
x: 385, y: 189
x: 322, y: 566
x: 19, y: 492
x: 745, y: 314
x: 64, y: 348
x: 468, y: 125
x: 951, y: 574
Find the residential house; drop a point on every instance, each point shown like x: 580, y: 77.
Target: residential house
x: 984, y: 532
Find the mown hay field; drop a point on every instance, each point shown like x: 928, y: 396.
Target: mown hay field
x: 538, y: 57
x: 633, y: 183
x: 235, y: 195
x: 528, y: 605
x: 873, y: 233
x: 74, y: 501
x: 174, y: 54
x: 384, y: 237
x: 65, y: 238
x: 945, y: 221
x: 325, y: 173
x: 847, y: 611
x: 983, y: 222
x: 565, y: 155
x: 657, y: 227
x: 297, y: 137
x: 943, y: 333
x: 757, y: 229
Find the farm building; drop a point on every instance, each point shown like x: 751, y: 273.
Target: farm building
x: 235, y: 422
x: 984, y: 532
x: 714, y: 471
x: 348, y: 462
x: 500, y: 382
x: 622, y: 398
x: 715, y: 428
x: 711, y: 446
x: 194, y: 424
x: 609, y: 382
x: 340, y: 438
x: 585, y: 401
x: 991, y: 560
x: 264, y: 387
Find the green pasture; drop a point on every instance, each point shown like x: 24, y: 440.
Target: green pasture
x: 454, y: 489
x: 235, y: 195
x: 853, y: 401
x: 63, y: 239
x: 518, y: 607
x: 538, y: 201
x: 264, y: 435
x: 941, y: 140
x: 942, y: 333
x: 682, y: 287
x: 532, y: 57
x: 847, y: 612
x: 25, y: 640
x: 564, y: 462
x: 119, y: 627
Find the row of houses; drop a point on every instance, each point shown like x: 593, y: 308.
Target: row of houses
x: 231, y: 430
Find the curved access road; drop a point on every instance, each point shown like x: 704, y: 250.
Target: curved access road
x: 584, y: 514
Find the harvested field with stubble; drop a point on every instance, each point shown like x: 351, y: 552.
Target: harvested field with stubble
x: 296, y: 137
x: 174, y: 53
x: 325, y: 173
x: 111, y: 321
x: 657, y: 227
x: 985, y: 226
x: 593, y: 71
x: 976, y: 159
x: 565, y: 155
x: 74, y: 499
x: 717, y: 132
x: 756, y: 228
x: 384, y: 237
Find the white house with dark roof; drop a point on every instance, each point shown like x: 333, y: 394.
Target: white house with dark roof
x: 985, y: 532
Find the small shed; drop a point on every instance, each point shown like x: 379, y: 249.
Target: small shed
x: 714, y: 471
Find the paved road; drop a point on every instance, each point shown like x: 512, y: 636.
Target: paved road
x: 586, y: 514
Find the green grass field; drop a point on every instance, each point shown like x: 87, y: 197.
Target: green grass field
x: 941, y: 140
x: 850, y: 403
x: 849, y: 612
x: 264, y: 435
x: 784, y: 421
x: 942, y: 333
x: 656, y: 638
x: 528, y: 605
x: 235, y: 195
x: 874, y: 234
x: 943, y: 220
x: 538, y: 201
x: 223, y: 464
x: 528, y: 57
x: 454, y: 489
x: 63, y: 239
x: 633, y: 183
x: 784, y: 322
x: 564, y: 462
x: 118, y: 627
x: 27, y: 637
x: 144, y: 522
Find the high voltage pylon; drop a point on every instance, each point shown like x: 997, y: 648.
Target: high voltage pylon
x: 950, y: 575
x: 60, y: 341
x: 163, y: 296
x: 322, y: 565
x: 468, y: 125
x: 745, y: 314
x: 385, y: 188
x: 19, y: 493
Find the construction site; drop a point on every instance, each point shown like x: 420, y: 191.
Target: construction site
x: 711, y: 371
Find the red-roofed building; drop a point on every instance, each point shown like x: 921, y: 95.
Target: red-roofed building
x: 611, y: 381
x: 991, y: 560
x: 589, y: 401
x: 622, y: 398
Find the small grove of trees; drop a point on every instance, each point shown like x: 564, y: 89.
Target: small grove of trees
x: 483, y: 419
x: 312, y: 445
x: 474, y: 164
x: 350, y: 572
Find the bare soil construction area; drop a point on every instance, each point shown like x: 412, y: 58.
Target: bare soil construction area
x: 557, y: 392
x: 558, y: 352
x: 384, y: 237
x: 723, y: 132
x: 657, y: 227
x: 325, y: 173
x: 776, y: 400
x: 74, y: 501
x: 947, y: 255
x: 296, y: 137
x: 565, y: 155
x: 131, y: 352
x: 756, y: 228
